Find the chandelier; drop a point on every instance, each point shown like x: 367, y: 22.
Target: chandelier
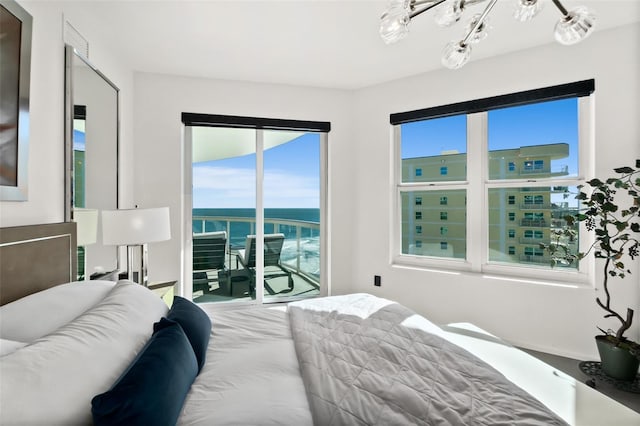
x: 574, y: 25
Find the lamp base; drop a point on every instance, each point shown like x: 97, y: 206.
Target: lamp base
x: 137, y: 271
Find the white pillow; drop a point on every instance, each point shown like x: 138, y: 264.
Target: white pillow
x: 52, y: 380
x: 10, y: 346
x: 41, y: 313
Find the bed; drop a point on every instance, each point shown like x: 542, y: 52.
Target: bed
x: 114, y: 353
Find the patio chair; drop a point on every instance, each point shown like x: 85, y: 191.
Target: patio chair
x: 208, y: 256
x: 272, y: 266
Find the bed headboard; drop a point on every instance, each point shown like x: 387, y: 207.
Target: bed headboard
x: 36, y: 257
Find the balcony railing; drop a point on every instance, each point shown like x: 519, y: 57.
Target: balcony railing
x: 534, y: 206
x: 533, y: 222
x: 300, y: 251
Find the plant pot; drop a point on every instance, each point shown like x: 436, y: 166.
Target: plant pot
x: 617, y: 362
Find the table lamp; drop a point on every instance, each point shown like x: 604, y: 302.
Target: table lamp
x: 135, y: 228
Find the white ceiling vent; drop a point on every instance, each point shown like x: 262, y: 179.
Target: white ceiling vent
x: 72, y: 37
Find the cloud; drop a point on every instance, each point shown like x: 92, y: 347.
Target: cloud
x: 226, y: 187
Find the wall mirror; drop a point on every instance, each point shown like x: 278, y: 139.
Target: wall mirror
x: 91, y: 159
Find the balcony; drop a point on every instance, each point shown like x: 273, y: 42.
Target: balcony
x: 540, y: 223
x: 300, y: 256
x: 533, y: 206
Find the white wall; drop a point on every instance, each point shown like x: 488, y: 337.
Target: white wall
x: 160, y: 100
x: 45, y: 202
x: 555, y: 319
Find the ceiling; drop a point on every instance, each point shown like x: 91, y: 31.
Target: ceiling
x: 320, y: 43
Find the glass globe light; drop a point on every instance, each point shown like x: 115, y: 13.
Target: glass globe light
x: 525, y: 10
x: 448, y: 13
x: 455, y: 55
x: 394, y: 23
x: 481, y: 32
x: 577, y: 25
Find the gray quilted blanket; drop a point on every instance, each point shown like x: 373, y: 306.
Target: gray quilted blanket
x: 371, y: 369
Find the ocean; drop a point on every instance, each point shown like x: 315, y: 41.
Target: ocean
x: 240, y: 229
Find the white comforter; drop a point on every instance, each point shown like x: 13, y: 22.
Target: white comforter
x: 52, y: 379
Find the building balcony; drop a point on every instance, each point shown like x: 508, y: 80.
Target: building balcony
x: 299, y: 259
x: 531, y: 206
x: 539, y: 223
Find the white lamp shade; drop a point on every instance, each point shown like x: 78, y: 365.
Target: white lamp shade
x: 87, y: 225
x: 135, y: 226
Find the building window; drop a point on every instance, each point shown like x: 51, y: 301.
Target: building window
x: 444, y: 230
x: 418, y: 201
x: 482, y: 198
x: 418, y: 215
x: 418, y: 243
x: 418, y: 229
x: 443, y: 245
x: 418, y: 172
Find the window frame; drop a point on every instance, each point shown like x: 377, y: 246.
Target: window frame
x: 478, y: 184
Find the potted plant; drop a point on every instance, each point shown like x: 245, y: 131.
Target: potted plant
x: 615, y: 221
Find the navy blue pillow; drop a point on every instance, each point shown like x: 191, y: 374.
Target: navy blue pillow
x: 152, y: 390
x: 195, y: 323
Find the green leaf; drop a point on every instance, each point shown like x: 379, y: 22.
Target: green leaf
x: 595, y: 182
x: 624, y: 170
x: 609, y: 207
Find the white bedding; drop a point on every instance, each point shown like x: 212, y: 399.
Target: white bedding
x: 52, y: 380
x: 39, y: 314
x: 251, y: 376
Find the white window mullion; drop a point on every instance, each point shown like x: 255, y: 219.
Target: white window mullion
x: 259, y: 216
x: 396, y: 179
x: 325, y: 236
x: 477, y: 162
x: 186, y: 268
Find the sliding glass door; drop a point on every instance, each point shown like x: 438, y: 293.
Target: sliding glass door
x: 257, y: 214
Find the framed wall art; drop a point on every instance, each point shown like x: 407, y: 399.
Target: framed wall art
x: 15, y: 72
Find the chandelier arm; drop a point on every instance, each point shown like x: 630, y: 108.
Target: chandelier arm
x: 430, y: 5
x: 480, y: 21
x: 560, y: 7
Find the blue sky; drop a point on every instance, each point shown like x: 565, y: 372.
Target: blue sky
x: 535, y: 124
x: 291, y: 178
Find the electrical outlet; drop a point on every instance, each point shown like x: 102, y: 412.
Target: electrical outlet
x: 377, y: 280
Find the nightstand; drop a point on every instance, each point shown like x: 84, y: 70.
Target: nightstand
x: 164, y: 289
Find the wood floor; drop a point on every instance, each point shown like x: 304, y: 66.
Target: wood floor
x: 570, y: 366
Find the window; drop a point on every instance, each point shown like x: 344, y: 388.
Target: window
x: 418, y: 201
x: 418, y: 229
x: 418, y: 243
x: 444, y: 230
x: 443, y: 245
x: 418, y: 215
x: 418, y: 172
x: 510, y: 161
